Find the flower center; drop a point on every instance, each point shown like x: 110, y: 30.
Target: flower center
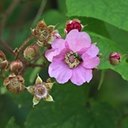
x: 72, y: 59
x: 40, y: 91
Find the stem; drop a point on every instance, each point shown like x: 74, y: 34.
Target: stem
x: 6, y: 46
x: 101, y: 79
x: 35, y: 65
x: 40, y: 11
x: 22, y: 47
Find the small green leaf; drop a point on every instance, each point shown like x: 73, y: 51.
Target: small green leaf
x: 11, y: 123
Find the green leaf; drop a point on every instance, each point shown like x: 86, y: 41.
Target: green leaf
x: 71, y: 110
x: 111, y: 11
x: 107, y: 46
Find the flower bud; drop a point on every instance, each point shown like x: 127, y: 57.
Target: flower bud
x: 2, y: 56
x: 45, y: 34
x: 73, y: 24
x: 114, y: 58
x: 3, y: 61
x: 14, y: 83
x: 31, y: 52
x: 16, y: 66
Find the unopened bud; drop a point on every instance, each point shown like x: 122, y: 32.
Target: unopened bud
x: 73, y: 24
x: 14, y: 83
x: 16, y: 66
x: 2, y: 56
x: 45, y: 34
x: 4, y: 64
x: 3, y: 61
x: 31, y: 52
x: 114, y: 58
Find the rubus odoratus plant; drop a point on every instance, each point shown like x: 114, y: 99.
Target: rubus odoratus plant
x: 72, y: 58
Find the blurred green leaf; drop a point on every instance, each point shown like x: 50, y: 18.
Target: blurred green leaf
x: 53, y: 17
x: 11, y: 123
x: 62, y: 5
x: 124, y: 122
x: 113, y: 12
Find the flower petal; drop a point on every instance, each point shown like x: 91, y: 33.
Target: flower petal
x: 81, y: 75
x: 78, y: 40
x: 57, y: 46
x: 89, y: 62
x: 49, y: 54
x: 59, y: 70
x: 93, y: 50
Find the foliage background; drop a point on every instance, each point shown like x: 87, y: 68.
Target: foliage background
x: 74, y: 107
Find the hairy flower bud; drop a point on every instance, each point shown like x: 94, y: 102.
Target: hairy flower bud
x: 114, y: 58
x: 45, y: 34
x: 14, y: 83
x: 16, y: 66
x: 3, y: 61
x: 73, y: 24
x: 31, y: 52
x: 2, y: 56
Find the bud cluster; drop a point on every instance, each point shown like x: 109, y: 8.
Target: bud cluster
x: 28, y: 55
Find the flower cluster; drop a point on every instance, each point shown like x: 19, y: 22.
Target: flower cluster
x: 72, y: 58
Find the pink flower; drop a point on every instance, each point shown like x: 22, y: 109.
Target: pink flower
x: 73, y: 58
